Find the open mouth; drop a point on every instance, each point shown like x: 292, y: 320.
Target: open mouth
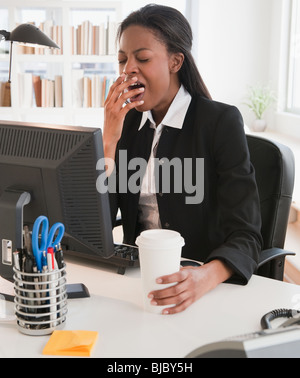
x: 136, y: 86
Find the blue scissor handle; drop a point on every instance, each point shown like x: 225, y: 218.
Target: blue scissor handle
x: 46, y: 239
x: 36, y: 248
x: 61, y: 230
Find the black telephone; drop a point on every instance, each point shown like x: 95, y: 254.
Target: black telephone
x: 292, y: 315
x: 282, y: 342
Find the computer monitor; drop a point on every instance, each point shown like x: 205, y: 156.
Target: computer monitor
x: 51, y: 170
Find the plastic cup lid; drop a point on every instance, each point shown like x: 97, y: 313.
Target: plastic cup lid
x: 160, y: 238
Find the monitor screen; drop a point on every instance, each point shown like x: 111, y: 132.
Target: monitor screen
x: 56, y: 165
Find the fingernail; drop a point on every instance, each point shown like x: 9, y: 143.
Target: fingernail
x: 159, y: 281
x: 154, y: 303
x: 165, y: 312
x: 150, y: 296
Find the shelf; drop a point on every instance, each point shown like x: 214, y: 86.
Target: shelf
x: 4, y: 57
x: 50, y: 66
x: 93, y: 59
x: 22, y: 58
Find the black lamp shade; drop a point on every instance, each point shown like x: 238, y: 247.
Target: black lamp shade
x: 28, y: 33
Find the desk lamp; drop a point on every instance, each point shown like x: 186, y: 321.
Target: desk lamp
x: 25, y: 34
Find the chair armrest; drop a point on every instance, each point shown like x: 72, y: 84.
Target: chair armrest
x: 271, y: 254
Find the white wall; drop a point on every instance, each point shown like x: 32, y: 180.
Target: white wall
x: 284, y: 122
x: 239, y: 43
x: 234, y: 45
x: 132, y: 5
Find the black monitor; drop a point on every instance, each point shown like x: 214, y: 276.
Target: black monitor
x: 51, y: 170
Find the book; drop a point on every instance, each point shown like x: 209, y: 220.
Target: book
x: 73, y: 33
x: 87, y: 92
x: 90, y: 91
x: 96, y: 91
x: 111, y: 37
x: 37, y: 87
x: 48, y: 30
x: 58, y: 95
x: 44, y: 90
x: 50, y: 94
x: 25, y: 90
x: 102, y: 39
x: 89, y: 39
x: 103, y: 91
x: 79, y: 39
x: 77, y: 88
x: 2, y: 93
x: 7, y: 94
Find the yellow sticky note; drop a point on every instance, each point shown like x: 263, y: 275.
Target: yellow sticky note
x: 71, y: 343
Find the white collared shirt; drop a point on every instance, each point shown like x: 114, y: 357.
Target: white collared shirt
x: 148, y: 209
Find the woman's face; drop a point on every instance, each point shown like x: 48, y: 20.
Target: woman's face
x: 143, y: 56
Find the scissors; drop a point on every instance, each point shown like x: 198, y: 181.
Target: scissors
x: 47, y: 238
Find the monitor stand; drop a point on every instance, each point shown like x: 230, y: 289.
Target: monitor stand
x: 12, y: 203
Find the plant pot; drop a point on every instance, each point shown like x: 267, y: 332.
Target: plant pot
x: 259, y: 125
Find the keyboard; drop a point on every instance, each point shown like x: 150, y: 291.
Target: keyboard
x: 128, y: 256
x: 125, y: 256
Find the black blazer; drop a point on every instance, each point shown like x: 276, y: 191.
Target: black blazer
x: 226, y: 224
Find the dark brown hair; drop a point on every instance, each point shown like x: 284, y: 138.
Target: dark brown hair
x: 173, y: 29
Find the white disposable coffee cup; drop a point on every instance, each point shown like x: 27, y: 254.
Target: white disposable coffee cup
x: 160, y: 255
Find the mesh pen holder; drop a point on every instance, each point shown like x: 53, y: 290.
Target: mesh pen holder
x: 40, y: 301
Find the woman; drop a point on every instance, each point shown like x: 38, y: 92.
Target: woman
x: 159, y: 107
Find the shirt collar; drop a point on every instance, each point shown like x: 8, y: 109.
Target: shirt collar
x: 175, y: 115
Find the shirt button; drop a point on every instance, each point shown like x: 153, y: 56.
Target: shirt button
x: 167, y: 225
x: 161, y: 194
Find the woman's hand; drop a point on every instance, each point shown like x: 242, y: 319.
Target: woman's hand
x: 114, y: 115
x: 191, y: 284
x: 115, y: 110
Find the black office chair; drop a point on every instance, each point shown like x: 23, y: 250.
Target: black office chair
x: 275, y: 170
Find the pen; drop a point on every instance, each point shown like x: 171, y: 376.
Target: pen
x: 51, y: 267
x: 28, y: 268
x: 16, y: 255
x: 50, y: 259
x: 44, y: 279
x: 36, y: 280
x: 27, y: 240
x: 44, y: 260
x: 59, y: 256
x: 20, y: 259
x: 60, y: 264
x: 44, y: 270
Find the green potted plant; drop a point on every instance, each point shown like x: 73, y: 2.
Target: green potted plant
x: 259, y: 99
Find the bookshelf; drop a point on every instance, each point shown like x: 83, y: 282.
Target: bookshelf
x: 79, y: 74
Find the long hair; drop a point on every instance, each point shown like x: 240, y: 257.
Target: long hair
x: 172, y: 29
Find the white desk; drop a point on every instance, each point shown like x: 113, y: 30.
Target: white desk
x: 125, y: 330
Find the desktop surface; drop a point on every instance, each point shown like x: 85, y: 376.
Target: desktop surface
x: 115, y: 310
